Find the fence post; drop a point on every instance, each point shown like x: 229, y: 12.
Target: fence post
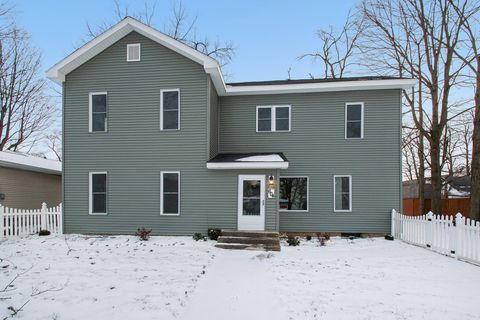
x: 60, y: 219
x: 43, y: 217
x: 429, y: 231
x: 458, y: 234
x: 2, y: 221
x: 392, y: 230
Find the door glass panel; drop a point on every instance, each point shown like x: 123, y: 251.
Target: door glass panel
x: 251, y: 197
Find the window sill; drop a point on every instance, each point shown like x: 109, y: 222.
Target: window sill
x: 98, y: 213
x: 170, y: 214
x: 342, y: 211
x: 294, y: 211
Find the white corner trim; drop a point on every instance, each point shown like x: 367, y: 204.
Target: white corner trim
x: 90, y: 198
x: 161, y: 194
x: 247, y: 165
x: 362, y: 118
x: 161, y: 108
x: 350, y: 183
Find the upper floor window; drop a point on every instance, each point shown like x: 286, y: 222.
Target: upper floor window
x: 98, y: 112
x: 170, y: 109
x: 342, y: 193
x: 273, y: 118
x: 354, y: 120
x: 98, y: 193
x: 133, y: 52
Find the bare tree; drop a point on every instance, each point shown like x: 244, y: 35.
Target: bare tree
x: 25, y: 107
x: 54, y: 143
x: 337, y: 48
x: 417, y: 37
x: 181, y: 26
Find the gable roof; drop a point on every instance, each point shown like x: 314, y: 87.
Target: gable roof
x: 58, y: 72
x: 22, y: 161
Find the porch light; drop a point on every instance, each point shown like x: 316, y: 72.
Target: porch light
x: 271, y: 180
x: 271, y: 187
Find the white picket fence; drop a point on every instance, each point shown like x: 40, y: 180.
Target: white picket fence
x: 458, y: 237
x: 22, y: 222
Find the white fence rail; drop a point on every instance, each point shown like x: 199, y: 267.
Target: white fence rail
x: 458, y: 237
x: 21, y: 222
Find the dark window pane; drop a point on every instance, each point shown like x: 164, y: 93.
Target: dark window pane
x: 354, y: 129
x: 345, y: 184
x: 99, y: 203
x: 170, y: 203
x: 264, y: 113
x: 281, y: 112
x: 264, y: 125
x: 170, y: 182
x: 354, y: 112
x: 170, y: 120
x: 170, y: 100
x: 251, y: 207
x: 282, y: 124
x: 99, y: 103
x: 99, y: 121
x: 293, y: 194
x: 99, y: 182
x: 251, y: 188
x: 345, y: 201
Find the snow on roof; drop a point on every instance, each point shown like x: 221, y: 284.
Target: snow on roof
x: 267, y: 157
x: 28, y: 162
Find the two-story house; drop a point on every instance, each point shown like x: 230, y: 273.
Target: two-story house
x: 154, y: 137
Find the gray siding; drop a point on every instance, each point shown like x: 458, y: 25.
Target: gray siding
x: 316, y: 147
x: 134, y: 150
x: 213, y: 120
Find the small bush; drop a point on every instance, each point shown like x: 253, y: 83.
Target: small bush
x: 143, y: 234
x: 293, y: 241
x: 198, y: 236
x: 309, y: 237
x: 322, y: 238
x: 44, y: 233
x: 214, y: 233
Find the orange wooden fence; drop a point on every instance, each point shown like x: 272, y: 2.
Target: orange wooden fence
x: 450, y: 206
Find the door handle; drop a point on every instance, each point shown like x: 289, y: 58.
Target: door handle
x: 263, y: 202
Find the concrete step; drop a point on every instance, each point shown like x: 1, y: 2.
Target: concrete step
x: 242, y: 246
x: 248, y: 240
x: 252, y: 234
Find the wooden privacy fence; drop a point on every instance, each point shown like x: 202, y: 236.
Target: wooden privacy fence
x: 21, y: 222
x: 456, y: 236
x: 450, y: 206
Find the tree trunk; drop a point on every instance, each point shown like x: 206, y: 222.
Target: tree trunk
x: 436, y: 174
x: 475, y: 165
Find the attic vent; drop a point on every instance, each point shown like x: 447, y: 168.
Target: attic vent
x: 133, y: 52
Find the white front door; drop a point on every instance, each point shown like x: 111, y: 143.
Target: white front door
x: 251, y: 202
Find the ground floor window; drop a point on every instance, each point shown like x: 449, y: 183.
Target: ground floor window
x: 293, y: 194
x: 170, y: 193
x: 98, y: 193
x: 342, y: 197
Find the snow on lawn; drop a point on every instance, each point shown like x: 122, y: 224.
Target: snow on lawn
x: 177, y: 278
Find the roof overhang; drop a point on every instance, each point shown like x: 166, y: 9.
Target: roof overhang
x: 58, y: 72
x: 26, y: 162
x: 227, y: 161
x: 249, y: 165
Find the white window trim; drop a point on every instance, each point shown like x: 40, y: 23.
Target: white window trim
x: 361, y: 122
x: 349, y: 192
x: 308, y: 194
x: 139, y: 51
x: 90, y: 198
x: 90, y: 110
x: 161, y: 193
x: 161, y: 108
x: 273, y: 118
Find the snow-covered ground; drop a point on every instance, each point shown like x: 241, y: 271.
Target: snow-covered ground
x: 78, y: 277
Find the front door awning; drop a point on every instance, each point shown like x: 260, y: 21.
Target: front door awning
x: 225, y: 161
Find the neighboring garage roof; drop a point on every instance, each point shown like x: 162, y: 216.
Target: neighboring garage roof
x: 58, y: 72
x: 22, y: 161
x: 272, y: 160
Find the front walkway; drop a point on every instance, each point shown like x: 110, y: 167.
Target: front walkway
x: 238, y: 285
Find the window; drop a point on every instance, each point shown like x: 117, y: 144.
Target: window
x: 273, y: 118
x: 133, y: 52
x: 342, y: 197
x: 293, y: 194
x: 98, y: 112
x: 170, y: 193
x: 98, y: 193
x: 354, y: 120
x: 170, y: 109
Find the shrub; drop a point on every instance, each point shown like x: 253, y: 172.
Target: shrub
x: 293, y: 241
x: 309, y: 237
x: 322, y: 238
x: 198, y: 236
x: 44, y: 233
x: 214, y: 233
x: 143, y: 234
